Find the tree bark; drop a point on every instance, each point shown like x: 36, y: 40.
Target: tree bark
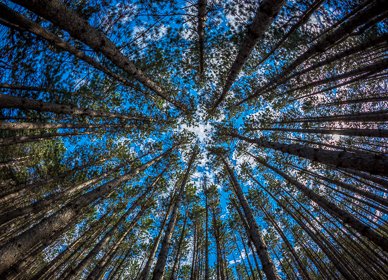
x: 333, y: 209
x: 24, y: 23
x: 80, y: 29
x: 331, y: 38
x: 8, y: 101
x: 162, y: 257
x: 175, y: 267
x: 253, y: 231
x: 382, y: 133
x: 201, y: 34
x: 265, y: 15
x: 12, y: 251
x: 375, y: 164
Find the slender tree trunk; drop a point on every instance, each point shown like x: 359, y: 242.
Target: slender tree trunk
x: 34, y: 126
x: 357, y: 100
x: 265, y: 15
x: 15, y: 249
x: 93, y: 231
x: 162, y: 257
x: 175, y: 267
x: 342, y: 54
x: 303, y: 19
x: 147, y: 267
x: 302, y: 269
x: 369, y: 69
x: 201, y: 34
x: 333, y: 209
x: 53, y: 200
x: 146, y: 270
x: 206, y: 237
x: 37, y: 138
x: 17, y: 20
x: 325, y: 42
x: 109, y: 235
x: 254, y: 230
x: 98, y: 270
x: 193, y: 260
x: 375, y: 164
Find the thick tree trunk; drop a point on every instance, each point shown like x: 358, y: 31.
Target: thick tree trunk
x: 375, y: 164
x: 17, y: 20
x: 254, y: 230
x: 80, y: 29
x: 382, y: 133
x: 8, y: 101
x: 265, y: 15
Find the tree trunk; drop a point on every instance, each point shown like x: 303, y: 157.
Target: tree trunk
x: 23, y: 23
x: 146, y: 270
x: 265, y: 15
x: 162, y: 257
x: 201, y: 34
x: 8, y: 101
x: 33, y: 126
x: 375, y: 164
x: 333, y: 209
x: 79, y: 28
x: 254, y: 230
x: 382, y: 133
x: 303, y: 19
x: 12, y: 251
x: 97, y: 272
x: 175, y: 267
x: 344, y: 30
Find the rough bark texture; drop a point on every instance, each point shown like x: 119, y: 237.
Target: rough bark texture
x: 7, y: 101
x: 383, y: 133
x: 375, y: 164
x: 80, y: 29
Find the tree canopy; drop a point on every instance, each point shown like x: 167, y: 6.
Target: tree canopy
x: 193, y: 139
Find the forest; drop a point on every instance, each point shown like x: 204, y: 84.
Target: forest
x: 193, y: 139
